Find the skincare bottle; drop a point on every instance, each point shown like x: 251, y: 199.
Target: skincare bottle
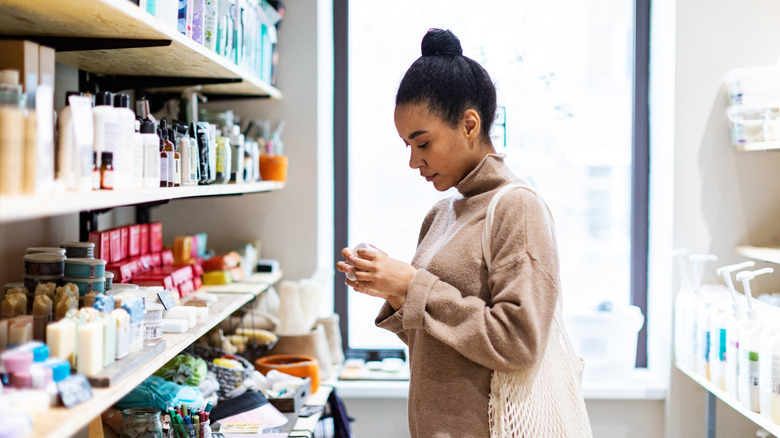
x: 684, y: 316
x: 237, y: 155
x: 107, y: 172
x: 210, y: 24
x: 66, y: 167
x: 137, y: 172
x: 186, y: 175
x: 726, y: 351
x: 176, y: 158
x: 151, y: 155
x: 749, y: 338
x: 223, y: 160
x: 11, y: 132
x: 124, y: 157
x: 95, y: 171
x: 769, y: 373
x: 106, y: 124
x: 165, y: 160
x: 202, y: 135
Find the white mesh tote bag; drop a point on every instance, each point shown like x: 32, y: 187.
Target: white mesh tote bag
x: 546, y: 401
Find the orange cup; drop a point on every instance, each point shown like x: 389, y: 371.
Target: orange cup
x: 273, y: 167
x: 297, y: 365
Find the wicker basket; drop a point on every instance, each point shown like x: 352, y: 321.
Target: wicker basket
x: 228, y: 378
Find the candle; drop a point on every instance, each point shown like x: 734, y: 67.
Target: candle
x: 61, y: 339
x: 14, y: 304
x: 42, y: 311
x: 20, y: 329
x: 89, y: 358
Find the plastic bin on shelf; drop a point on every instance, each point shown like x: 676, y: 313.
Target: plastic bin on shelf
x: 606, y: 340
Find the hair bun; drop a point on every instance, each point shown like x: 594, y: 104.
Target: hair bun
x: 440, y: 42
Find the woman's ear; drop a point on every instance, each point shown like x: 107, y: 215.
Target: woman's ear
x: 471, y: 124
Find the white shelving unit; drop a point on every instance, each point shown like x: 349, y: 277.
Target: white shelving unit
x: 766, y: 254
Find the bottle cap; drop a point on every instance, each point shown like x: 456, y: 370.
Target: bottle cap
x: 70, y: 93
x: 148, y: 128
x: 142, y: 109
x: 107, y: 157
x: 122, y: 101
x: 104, y: 99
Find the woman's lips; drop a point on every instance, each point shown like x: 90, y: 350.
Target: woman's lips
x: 430, y: 178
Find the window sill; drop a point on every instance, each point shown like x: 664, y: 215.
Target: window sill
x: 642, y: 385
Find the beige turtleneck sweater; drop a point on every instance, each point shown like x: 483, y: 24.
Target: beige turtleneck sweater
x: 460, y: 323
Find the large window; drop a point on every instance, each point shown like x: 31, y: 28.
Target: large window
x: 564, y: 72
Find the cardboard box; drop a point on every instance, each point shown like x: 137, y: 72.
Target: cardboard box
x: 115, y: 236
x: 134, y: 244
x: 102, y: 241
x: 124, y: 242
x: 143, y: 239
x: 155, y: 237
x: 22, y: 55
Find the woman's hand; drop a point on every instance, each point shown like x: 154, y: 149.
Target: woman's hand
x: 377, y: 274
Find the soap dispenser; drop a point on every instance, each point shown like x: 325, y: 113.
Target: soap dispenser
x: 725, y: 373
x: 749, y: 339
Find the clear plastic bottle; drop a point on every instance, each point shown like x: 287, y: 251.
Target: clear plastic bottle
x: 107, y: 174
x: 151, y: 144
x: 223, y: 160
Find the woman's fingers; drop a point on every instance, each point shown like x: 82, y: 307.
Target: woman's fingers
x: 344, y: 267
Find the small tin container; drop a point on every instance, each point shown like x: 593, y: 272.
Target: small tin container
x: 153, y: 314
x: 153, y: 331
x: 31, y: 281
x: 109, y: 280
x: 45, y: 249
x: 85, y: 268
x: 44, y: 264
x: 84, y: 250
x: 87, y: 285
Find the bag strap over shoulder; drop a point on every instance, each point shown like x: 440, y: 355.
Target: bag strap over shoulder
x: 491, y: 211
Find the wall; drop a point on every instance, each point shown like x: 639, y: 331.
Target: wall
x: 720, y: 198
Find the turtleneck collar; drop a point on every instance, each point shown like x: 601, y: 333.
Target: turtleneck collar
x: 489, y: 174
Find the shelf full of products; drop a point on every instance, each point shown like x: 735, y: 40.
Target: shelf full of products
x: 64, y: 422
x: 116, y: 37
x: 23, y: 207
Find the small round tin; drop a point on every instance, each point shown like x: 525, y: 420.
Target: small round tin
x: 87, y: 285
x: 109, y: 281
x: 84, y: 250
x: 85, y: 268
x: 45, y: 249
x: 44, y: 264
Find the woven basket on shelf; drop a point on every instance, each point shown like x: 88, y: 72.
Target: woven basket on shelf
x: 228, y: 378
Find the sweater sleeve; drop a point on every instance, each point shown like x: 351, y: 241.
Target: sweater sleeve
x: 509, y: 333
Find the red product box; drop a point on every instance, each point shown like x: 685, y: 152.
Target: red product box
x: 143, y: 280
x: 143, y: 239
x: 145, y: 262
x: 185, y: 288
x: 197, y: 282
x: 134, y: 246
x: 167, y: 257
x: 156, y: 259
x: 197, y: 270
x: 124, y: 242
x: 155, y: 237
x: 123, y: 271
x: 115, y: 237
x: 102, y: 241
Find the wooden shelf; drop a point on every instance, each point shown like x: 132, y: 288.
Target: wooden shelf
x: 125, y: 20
x: 761, y: 146
x: 62, y: 422
x: 755, y: 417
x: 254, y: 285
x: 23, y: 207
x: 767, y: 254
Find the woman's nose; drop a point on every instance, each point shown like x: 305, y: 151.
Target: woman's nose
x: 415, y: 162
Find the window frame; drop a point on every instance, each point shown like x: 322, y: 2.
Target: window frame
x: 639, y: 175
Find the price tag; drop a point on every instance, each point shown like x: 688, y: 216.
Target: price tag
x: 166, y: 299
x: 74, y: 389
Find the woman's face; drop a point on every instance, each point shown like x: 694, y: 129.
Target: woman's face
x: 443, y: 154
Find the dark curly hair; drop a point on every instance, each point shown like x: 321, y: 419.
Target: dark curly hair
x: 448, y: 82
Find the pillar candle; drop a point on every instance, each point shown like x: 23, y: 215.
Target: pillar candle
x: 122, y: 319
x: 20, y: 329
x: 61, y: 339
x: 42, y: 312
x: 109, y: 338
x: 89, y: 358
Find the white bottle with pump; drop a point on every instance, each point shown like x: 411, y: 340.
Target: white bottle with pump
x: 137, y: 172
x: 124, y: 156
x: 749, y: 338
x: 151, y: 143
x: 683, y: 297
x: 721, y: 370
x: 687, y: 315
x: 769, y: 370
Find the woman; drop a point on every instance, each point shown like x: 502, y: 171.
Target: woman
x: 460, y: 322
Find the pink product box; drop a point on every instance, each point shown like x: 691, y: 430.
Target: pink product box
x: 143, y: 239
x: 102, y: 241
x: 155, y: 237
x: 134, y: 242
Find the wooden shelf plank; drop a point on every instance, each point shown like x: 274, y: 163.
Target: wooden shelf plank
x: 761, y: 146
x: 61, y: 422
x: 755, y: 417
x: 254, y: 285
x: 23, y: 207
x: 765, y: 253
x: 123, y: 19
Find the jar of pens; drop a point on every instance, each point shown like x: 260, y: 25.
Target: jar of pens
x: 190, y: 423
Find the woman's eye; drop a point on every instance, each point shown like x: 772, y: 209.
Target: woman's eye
x: 423, y: 145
